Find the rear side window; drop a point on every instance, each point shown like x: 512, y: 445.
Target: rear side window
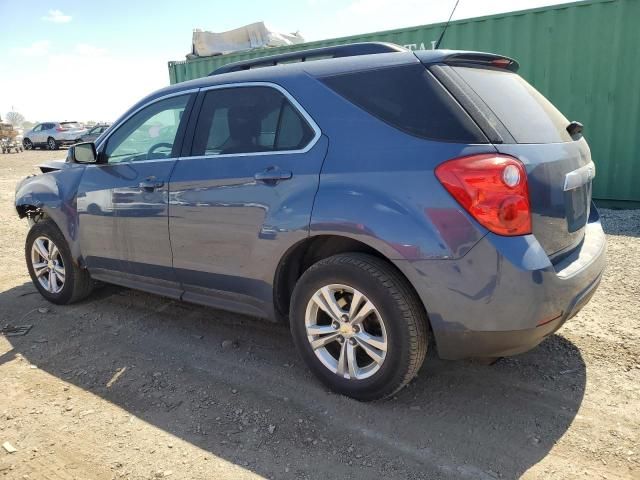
x: 410, y: 99
x: 249, y: 120
x: 525, y: 112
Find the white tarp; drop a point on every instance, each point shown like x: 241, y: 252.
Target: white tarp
x: 255, y: 35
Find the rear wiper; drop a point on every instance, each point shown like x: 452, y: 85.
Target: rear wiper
x: 574, y: 128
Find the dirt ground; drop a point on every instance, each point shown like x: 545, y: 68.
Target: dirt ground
x: 134, y: 386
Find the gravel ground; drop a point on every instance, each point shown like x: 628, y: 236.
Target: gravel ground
x: 130, y: 385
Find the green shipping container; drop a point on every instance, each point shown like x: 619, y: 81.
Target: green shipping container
x: 584, y: 56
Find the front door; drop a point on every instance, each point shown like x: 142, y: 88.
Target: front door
x: 37, y: 135
x: 123, y: 201
x: 243, y: 195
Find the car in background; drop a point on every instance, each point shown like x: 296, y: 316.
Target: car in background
x: 53, y: 135
x: 94, y: 132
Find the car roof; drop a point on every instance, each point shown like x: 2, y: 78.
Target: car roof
x: 315, y: 68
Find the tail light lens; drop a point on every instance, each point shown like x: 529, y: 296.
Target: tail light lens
x: 492, y: 188
x: 60, y: 129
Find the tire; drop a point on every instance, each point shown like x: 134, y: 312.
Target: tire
x: 52, y: 144
x: 27, y: 144
x: 75, y: 283
x: 397, y: 323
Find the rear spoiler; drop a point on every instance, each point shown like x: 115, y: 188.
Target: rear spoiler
x: 472, y: 59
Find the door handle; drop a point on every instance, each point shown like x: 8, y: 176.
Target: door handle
x: 272, y: 175
x: 150, y: 184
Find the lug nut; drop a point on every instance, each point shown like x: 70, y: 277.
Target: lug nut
x: 335, y: 325
x: 340, y: 339
x: 356, y: 329
x: 352, y: 341
x: 345, y: 318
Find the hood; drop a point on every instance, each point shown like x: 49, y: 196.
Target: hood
x: 53, y: 165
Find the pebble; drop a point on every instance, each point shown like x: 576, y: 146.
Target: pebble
x: 43, y: 310
x: 9, y: 448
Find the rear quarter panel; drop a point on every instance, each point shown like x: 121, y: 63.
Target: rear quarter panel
x: 377, y: 184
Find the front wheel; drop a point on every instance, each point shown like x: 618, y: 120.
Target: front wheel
x: 52, y: 269
x: 359, y: 326
x: 27, y: 144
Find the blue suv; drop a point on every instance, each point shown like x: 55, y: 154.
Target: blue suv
x: 376, y: 199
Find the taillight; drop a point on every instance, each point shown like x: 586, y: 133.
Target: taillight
x: 60, y: 129
x: 492, y: 188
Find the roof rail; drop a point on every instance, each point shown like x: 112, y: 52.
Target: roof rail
x: 337, y: 51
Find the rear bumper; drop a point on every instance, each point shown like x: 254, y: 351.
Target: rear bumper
x: 505, y: 296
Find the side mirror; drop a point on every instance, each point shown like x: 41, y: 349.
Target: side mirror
x: 83, y: 153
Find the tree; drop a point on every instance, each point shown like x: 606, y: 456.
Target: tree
x: 15, y: 118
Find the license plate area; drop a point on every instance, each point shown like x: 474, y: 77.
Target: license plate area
x: 577, y: 204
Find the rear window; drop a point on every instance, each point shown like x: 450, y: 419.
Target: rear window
x: 525, y: 112
x: 69, y: 124
x: 410, y: 99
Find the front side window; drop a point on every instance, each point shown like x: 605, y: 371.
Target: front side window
x: 249, y: 120
x: 149, y: 134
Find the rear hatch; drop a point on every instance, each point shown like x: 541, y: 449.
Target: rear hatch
x: 521, y: 122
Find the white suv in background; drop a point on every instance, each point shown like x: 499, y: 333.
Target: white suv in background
x: 52, y: 135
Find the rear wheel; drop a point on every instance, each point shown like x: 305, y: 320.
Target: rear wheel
x: 51, y: 144
x: 359, y: 326
x: 53, y: 272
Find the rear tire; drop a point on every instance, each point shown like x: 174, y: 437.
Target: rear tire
x: 368, y: 351
x: 54, y: 273
x: 52, y: 144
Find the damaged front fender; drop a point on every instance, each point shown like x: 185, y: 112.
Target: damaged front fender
x: 53, y: 195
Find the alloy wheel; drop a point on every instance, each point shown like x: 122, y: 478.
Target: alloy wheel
x: 51, y: 143
x: 346, y: 332
x: 48, y: 266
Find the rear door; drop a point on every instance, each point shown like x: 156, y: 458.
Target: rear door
x: 243, y: 194
x: 559, y: 166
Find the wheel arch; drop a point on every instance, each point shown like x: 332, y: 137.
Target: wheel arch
x: 52, y: 196
x: 298, y: 258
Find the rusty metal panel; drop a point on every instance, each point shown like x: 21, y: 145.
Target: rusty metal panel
x: 583, y: 56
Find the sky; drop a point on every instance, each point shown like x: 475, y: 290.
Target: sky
x: 91, y: 60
